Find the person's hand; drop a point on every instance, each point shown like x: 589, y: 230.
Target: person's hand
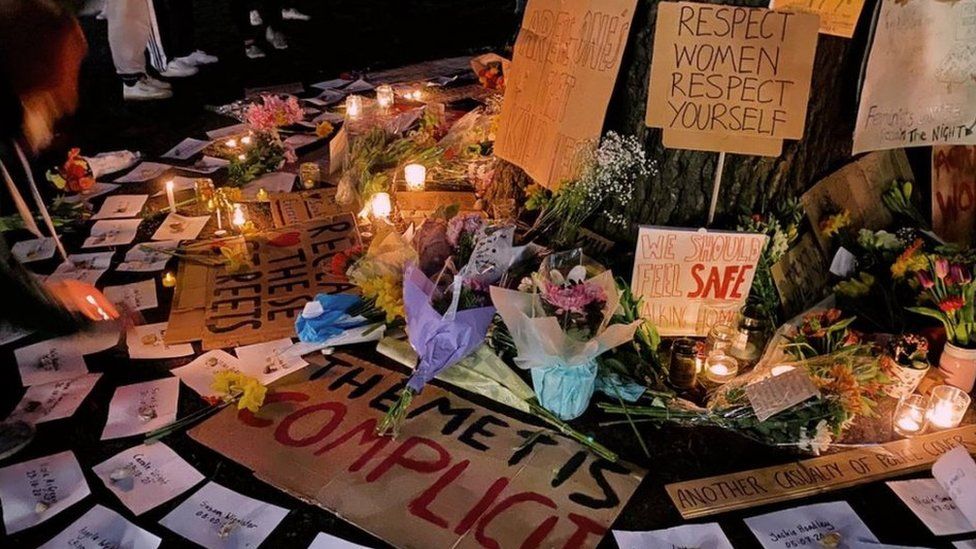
x: 83, y: 298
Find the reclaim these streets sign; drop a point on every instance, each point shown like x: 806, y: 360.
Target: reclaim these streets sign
x: 458, y: 475
x: 556, y: 93
x: 690, y: 279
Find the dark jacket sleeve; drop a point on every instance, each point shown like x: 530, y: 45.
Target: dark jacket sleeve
x: 26, y: 304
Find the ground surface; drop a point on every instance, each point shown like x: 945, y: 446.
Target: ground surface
x: 345, y: 35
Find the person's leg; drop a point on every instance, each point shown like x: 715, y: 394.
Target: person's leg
x: 158, y: 26
x: 271, y: 14
x: 241, y: 15
x: 128, y: 33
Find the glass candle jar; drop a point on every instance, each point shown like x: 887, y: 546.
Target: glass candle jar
x: 354, y: 106
x: 910, y: 418
x: 683, y: 366
x: 947, y: 405
x: 751, y: 335
x: 203, y: 187
x: 721, y: 368
x: 720, y: 338
x: 310, y: 174
x: 384, y: 96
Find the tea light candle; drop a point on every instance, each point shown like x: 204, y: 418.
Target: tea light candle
x: 416, y: 176
x: 721, y: 368
x: 238, y: 219
x: 381, y: 206
x: 170, y: 189
x: 947, y: 406
x: 169, y: 280
x: 909, y: 418
x: 262, y: 195
x: 230, y: 143
x: 242, y: 157
x: 781, y: 369
x: 246, y: 140
x: 384, y: 96
x: 354, y: 106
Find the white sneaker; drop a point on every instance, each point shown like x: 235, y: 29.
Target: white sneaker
x: 294, y: 15
x: 143, y: 91
x: 157, y: 83
x: 256, y: 20
x: 178, y: 68
x: 201, y: 57
x: 276, y: 39
x: 253, y: 51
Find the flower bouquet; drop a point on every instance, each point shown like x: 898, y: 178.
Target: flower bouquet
x: 905, y: 361
x: 950, y: 291
x: 78, y: 173
x: 378, y: 273
x: 560, y: 324
x: 820, y: 333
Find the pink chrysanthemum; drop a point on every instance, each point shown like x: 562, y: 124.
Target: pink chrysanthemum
x: 572, y: 298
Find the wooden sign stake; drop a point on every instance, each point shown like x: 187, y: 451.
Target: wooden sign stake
x: 719, y: 166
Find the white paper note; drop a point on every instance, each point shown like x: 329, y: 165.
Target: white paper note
x: 49, y: 361
x: 102, y: 528
x: 186, y: 148
x: 956, y: 473
x: 227, y: 131
x: 180, y: 227
x: 275, y: 182
x: 325, y: 541
x: 97, y: 190
x: 932, y: 505
x: 805, y: 526
x: 121, y: 205
x: 36, y: 490
x: 144, y: 172
x: 112, y: 232
x: 147, y: 476
x: 36, y: 249
x: 332, y: 84
x: 198, y: 375
x: 965, y: 544
x: 147, y: 257
x: 142, y: 407
x: 146, y: 342
x: 358, y: 86
x: 180, y: 184
x: 206, y: 165
x: 138, y: 296
x: 55, y: 400
x: 96, y: 338
x: 83, y: 267
x: 700, y: 536
x: 216, y: 517
x: 330, y: 97
x: 270, y: 360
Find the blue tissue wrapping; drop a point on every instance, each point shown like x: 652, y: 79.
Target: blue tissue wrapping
x: 565, y: 390
x: 332, y: 322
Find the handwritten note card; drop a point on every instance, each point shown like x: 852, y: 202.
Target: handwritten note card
x: 775, y: 394
x: 216, y: 517
x: 700, y: 536
x: 36, y: 490
x: 102, y: 528
x: 55, y: 400
x: 146, y: 476
x: 956, y: 473
x: 146, y: 342
x: 144, y: 172
x: 837, y: 17
x: 806, y: 526
x: 83, y: 267
x: 36, y: 249
x: 49, y: 361
x: 198, y: 375
x: 205, y: 165
x: 692, y: 279
x: 180, y: 227
x: 932, y: 505
x: 142, y: 407
x: 148, y: 257
x: 270, y: 360
x: 121, y: 206
x: 112, y: 232
x: 186, y: 149
x: 138, y: 296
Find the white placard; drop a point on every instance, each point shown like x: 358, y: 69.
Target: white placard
x: 142, y: 407
x: 49, y: 361
x: 112, y: 232
x: 956, y: 473
x: 55, y: 400
x: 102, y: 528
x: 180, y: 227
x: 144, y: 172
x: 36, y: 490
x: 216, y: 517
x: 274, y: 182
x: 147, y: 342
x: 806, y: 526
x: 700, y: 536
x: 932, y: 505
x: 187, y: 148
x: 144, y: 257
x: 121, y: 206
x: 147, y: 476
x: 198, y: 375
x: 138, y: 296
x: 37, y: 249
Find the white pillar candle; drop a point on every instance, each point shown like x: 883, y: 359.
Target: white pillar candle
x: 238, y: 219
x: 354, y: 106
x: 381, y: 205
x: 170, y: 186
x: 416, y: 176
x: 384, y: 96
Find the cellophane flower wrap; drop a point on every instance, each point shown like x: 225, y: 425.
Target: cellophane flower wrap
x: 379, y: 274
x: 557, y: 348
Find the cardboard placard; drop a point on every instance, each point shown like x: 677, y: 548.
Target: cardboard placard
x: 837, y: 17
x: 565, y: 65
x: 297, y: 208
x: 690, y: 279
x: 456, y: 471
x: 857, y: 188
x: 954, y: 193
x: 918, y: 87
x: 716, y: 142
x: 730, y: 71
x: 801, y: 275
x: 290, y: 266
x: 798, y: 479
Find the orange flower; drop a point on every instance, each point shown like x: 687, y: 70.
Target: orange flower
x: 952, y: 304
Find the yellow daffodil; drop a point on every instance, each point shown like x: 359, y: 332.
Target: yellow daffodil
x: 230, y: 384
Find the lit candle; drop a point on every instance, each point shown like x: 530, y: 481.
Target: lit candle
x: 720, y: 368
x: 220, y: 221
x: 416, y: 176
x: 246, y: 140
x: 242, y: 157
x: 354, y: 106
x: 230, y: 143
x: 381, y: 205
x: 238, y: 219
x: 910, y: 415
x: 943, y: 415
x: 781, y: 369
x: 384, y: 96
x: 169, y: 280
x: 909, y: 425
x: 948, y: 405
x: 262, y: 195
x: 170, y: 187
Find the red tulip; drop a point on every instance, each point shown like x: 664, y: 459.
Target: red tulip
x: 925, y: 279
x: 960, y: 274
x: 941, y: 267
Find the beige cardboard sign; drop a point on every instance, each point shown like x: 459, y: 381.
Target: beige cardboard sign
x: 297, y: 208
x: 730, y: 71
x: 798, y: 479
x: 458, y: 475
x: 857, y: 188
x: 801, y: 276
x: 837, y: 17
x: 289, y: 267
x: 716, y: 142
x: 690, y: 279
x: 919, y: 87
x: 556, y: 93
x: 954, y: 193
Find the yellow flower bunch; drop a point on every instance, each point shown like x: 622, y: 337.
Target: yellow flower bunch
x: 324, y: 129
x: 233, y: 384
x: 910, y: 261
x: 387, y: 293
x: 833, y: 224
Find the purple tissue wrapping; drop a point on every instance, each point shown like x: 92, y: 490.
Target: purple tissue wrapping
x: 438, y: 342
